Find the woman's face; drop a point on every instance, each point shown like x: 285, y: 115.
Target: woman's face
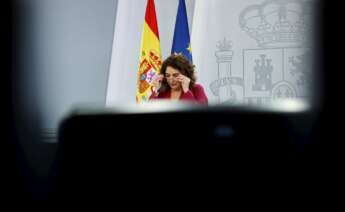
x: 171, y: 75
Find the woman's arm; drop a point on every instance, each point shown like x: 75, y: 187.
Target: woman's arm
x: 156, y: 84
x: 200, y: 95
x: 154, y: 95
x: 197, y: 95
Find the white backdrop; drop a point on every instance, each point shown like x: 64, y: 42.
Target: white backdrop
x: 251, y: 51
x: 248, y: 51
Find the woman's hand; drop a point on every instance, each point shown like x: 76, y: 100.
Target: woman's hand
x: 185, y: 81
x: 157, y: 82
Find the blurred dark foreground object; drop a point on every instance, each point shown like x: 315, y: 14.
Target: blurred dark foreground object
x: 157, y: 156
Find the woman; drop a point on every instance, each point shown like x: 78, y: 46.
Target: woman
x: 177, y: 81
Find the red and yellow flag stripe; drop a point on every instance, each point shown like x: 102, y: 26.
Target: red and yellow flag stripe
x: 150, y: 57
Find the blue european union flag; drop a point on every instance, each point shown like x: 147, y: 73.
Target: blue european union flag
x: 181, y: 42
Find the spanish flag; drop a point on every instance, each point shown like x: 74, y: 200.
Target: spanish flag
x: 150, y: 57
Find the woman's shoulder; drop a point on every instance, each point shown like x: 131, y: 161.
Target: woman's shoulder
x: 198, y: 89
x: 164, y: 93
x: 197, y: 86
x: 199, y: 93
